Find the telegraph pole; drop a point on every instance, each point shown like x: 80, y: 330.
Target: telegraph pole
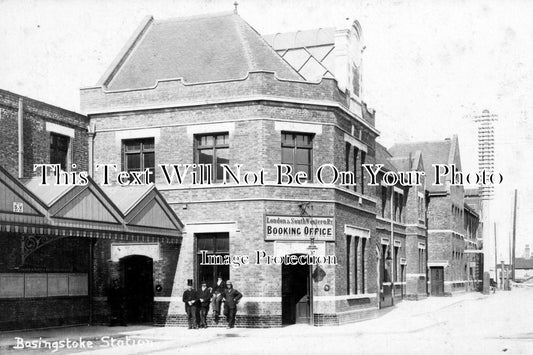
x: 495, y: 255
x: 514, y: 232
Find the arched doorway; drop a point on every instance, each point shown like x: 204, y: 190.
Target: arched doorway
x: 137, y: 279
x: 294, y: 294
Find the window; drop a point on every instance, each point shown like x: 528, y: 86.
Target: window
x: 355, y: 154
x: 355, y: 79
x: 400, y: 207
x: 396, y: 263
x: 397, y: 206
x: 421, y: 208
x: 139, y: 154
x: 213, y: 149
x: 214, y: 245
x: 296, y: 151
x: 347, y: 159
x: 383, y: 200
x: 421, y: 261
x: 59, y: 149
x: 348, y: 261
x: 394, y: 201
x: 363, y: 157
x: 356, y: 268
x: 363, y: 245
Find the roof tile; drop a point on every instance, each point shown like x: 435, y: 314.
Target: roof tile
x: 198, y: 49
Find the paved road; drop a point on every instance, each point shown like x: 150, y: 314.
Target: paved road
x: 464, y: 324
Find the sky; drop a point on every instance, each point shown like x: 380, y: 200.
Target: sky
x: 428, y: 69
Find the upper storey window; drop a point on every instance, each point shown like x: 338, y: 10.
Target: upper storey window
x: 59, y: 149
x: 139, y: 154
x: 297, y: 151
x: 355, y: 80
x: 213, y: 149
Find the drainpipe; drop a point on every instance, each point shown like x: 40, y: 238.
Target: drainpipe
x: 91, y: 281
x: 21, y: 138
x: 92, y: 132
x: 391, y: 245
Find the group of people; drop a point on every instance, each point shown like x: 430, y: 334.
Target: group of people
x: 198, y: 302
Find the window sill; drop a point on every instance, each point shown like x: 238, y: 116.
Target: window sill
x: 360, y: 296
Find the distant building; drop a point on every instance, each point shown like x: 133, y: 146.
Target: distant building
x: 523, y: 269
x: 450, y: 259
x: 524, y: 266
x: 416, y: 257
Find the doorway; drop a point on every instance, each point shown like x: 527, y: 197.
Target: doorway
x: 137, y: 280
x: 385, y: 281
x: 294, y: 294
x: 437, y: 281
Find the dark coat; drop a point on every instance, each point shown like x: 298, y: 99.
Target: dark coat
x: 189, y: 295
x: 232, y: 297
x: 206, y: 296
x: 219, y: 288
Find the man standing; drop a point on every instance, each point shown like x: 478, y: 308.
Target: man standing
x: 218, y: 294
x: 231, y: 299
x: 190, y: 298
x: 204, y: 296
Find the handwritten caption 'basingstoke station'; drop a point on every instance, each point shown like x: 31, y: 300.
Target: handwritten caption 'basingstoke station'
x: 202, y: 174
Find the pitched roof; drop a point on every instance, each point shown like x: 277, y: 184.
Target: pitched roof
x: 384, y: 157
x: 523, y: 263
x: 197, y: 49
x: 85, y: 210
x: 125, y: 197
x: 46, y: 193
x: 436, y: 152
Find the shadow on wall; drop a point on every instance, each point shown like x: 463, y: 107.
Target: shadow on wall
x: 164, y: 278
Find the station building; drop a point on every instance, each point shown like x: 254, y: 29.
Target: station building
x: 211, y: 90
x: 60, y: 244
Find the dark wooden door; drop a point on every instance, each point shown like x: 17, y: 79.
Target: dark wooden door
x: 294, y: 294
x: 138, y: 287
x: 437, y: 281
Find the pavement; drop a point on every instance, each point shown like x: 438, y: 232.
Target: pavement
x: 468, y: 323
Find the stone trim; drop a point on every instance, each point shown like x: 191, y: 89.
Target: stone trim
x: 344, y: 297
x: 59, y: 129
x: 298, y: 127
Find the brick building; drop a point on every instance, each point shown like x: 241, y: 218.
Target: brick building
x: 231, y: 98
x: 453, y: 255
x: 415, y: 222
x: 523, y: 268
x: 50, y: 135
x: 390, y: 231
x: 252, y: 102
x: 55, y: 240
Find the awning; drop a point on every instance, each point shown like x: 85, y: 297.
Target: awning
x: 135, y: 213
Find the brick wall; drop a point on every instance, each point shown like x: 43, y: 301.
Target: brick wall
x: 255, y: 142
x: 36, y: 137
